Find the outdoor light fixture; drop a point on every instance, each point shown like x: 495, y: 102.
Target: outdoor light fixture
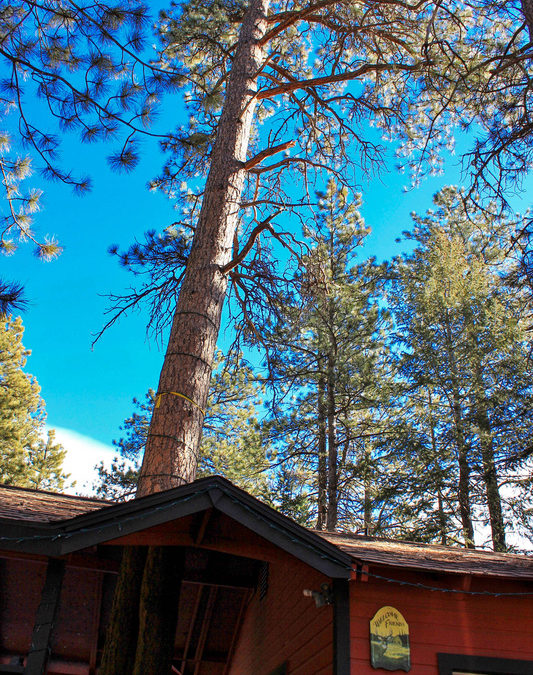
x: 322, y: 597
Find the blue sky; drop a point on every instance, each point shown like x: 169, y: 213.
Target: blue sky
x: 88, y: 391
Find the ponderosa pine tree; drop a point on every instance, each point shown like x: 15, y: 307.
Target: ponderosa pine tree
x: 348, y: 61
x: 28, y: 459
x: 326, y: 360
x: 312, y: 74
x: 359, y: 65
x: 311, y: 96
x: 465, y: 342
x: 492, y: 89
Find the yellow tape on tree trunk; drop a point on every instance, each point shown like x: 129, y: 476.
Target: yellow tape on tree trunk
x: 177, y: 393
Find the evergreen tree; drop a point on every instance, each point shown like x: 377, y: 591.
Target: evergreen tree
x: 86, y: 65
x: 27, y: 459
x: 326, y: 361
x: 465, y: 346
x: 244, y: 66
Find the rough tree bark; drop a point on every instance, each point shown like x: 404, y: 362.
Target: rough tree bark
x: 490, y: 475
x: 158, y: 610
x: 121, y: 635
x: 333, y: 475
x: 527, y: 10
x: 465, y: 508
x: 438, y: 475
x: 367, y: 497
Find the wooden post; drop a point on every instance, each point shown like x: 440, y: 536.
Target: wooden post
x: 341, y: 627
x: 44, y: 619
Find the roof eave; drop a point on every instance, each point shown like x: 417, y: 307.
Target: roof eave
x: 113, y: 522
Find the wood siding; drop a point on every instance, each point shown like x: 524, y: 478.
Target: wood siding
x: 20, y: 593
x: 285, y: 626
x: 74, y: 638
x: 444, y: 622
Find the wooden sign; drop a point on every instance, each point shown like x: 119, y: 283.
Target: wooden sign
x: 389, y: 640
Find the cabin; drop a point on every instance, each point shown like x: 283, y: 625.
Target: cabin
x: 260, y: 595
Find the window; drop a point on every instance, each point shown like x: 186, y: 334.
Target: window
x: 459, y: 664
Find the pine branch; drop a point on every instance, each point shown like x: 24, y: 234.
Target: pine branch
x: 289, y: 18
x: 341, y: 77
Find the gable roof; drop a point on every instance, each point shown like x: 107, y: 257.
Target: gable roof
x: 59, y: 529
x: 43, y: 522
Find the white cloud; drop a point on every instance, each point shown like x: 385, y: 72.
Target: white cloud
x: 83, y: 455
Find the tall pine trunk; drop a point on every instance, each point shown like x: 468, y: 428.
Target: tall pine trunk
x: 490, y: 476
x: 331, y: 375
x: 463, y: 493
x: 322, y: 447
x: 123, y: 629
x: 368, y: 492
x: 441, y: 515
x: 333, y: 474
x: 171, y: 453
x: 438, y: 474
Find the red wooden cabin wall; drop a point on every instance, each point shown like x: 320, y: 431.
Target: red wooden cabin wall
x: 21, y: 583
x: 75, y: 636
x: 455, y: 623
x: 285, y: 626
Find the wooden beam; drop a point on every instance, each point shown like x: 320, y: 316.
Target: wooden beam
x: 206, y: 622
x: 83, y: 561
x: 92, y: 563
x: 199, y: 535
x: 191, y: 628
x: 341, y: 627
x: 45, y: 618
x: 258, y: 550
x: 31, y: 557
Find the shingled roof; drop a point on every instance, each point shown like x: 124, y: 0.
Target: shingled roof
x: 39, y: 506
x: 431, y: 557
x: 71, y: 513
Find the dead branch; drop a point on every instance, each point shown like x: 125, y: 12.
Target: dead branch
x: 268, y: 152
x: 264, y: 225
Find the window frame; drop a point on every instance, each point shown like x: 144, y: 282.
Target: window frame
x: 485, y: 665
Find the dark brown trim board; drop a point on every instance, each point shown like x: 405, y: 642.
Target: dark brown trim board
x: 485, y: 665
x: 341, y: 627
x: 44, y: 620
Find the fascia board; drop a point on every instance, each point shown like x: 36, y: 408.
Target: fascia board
x: 294, y: 540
